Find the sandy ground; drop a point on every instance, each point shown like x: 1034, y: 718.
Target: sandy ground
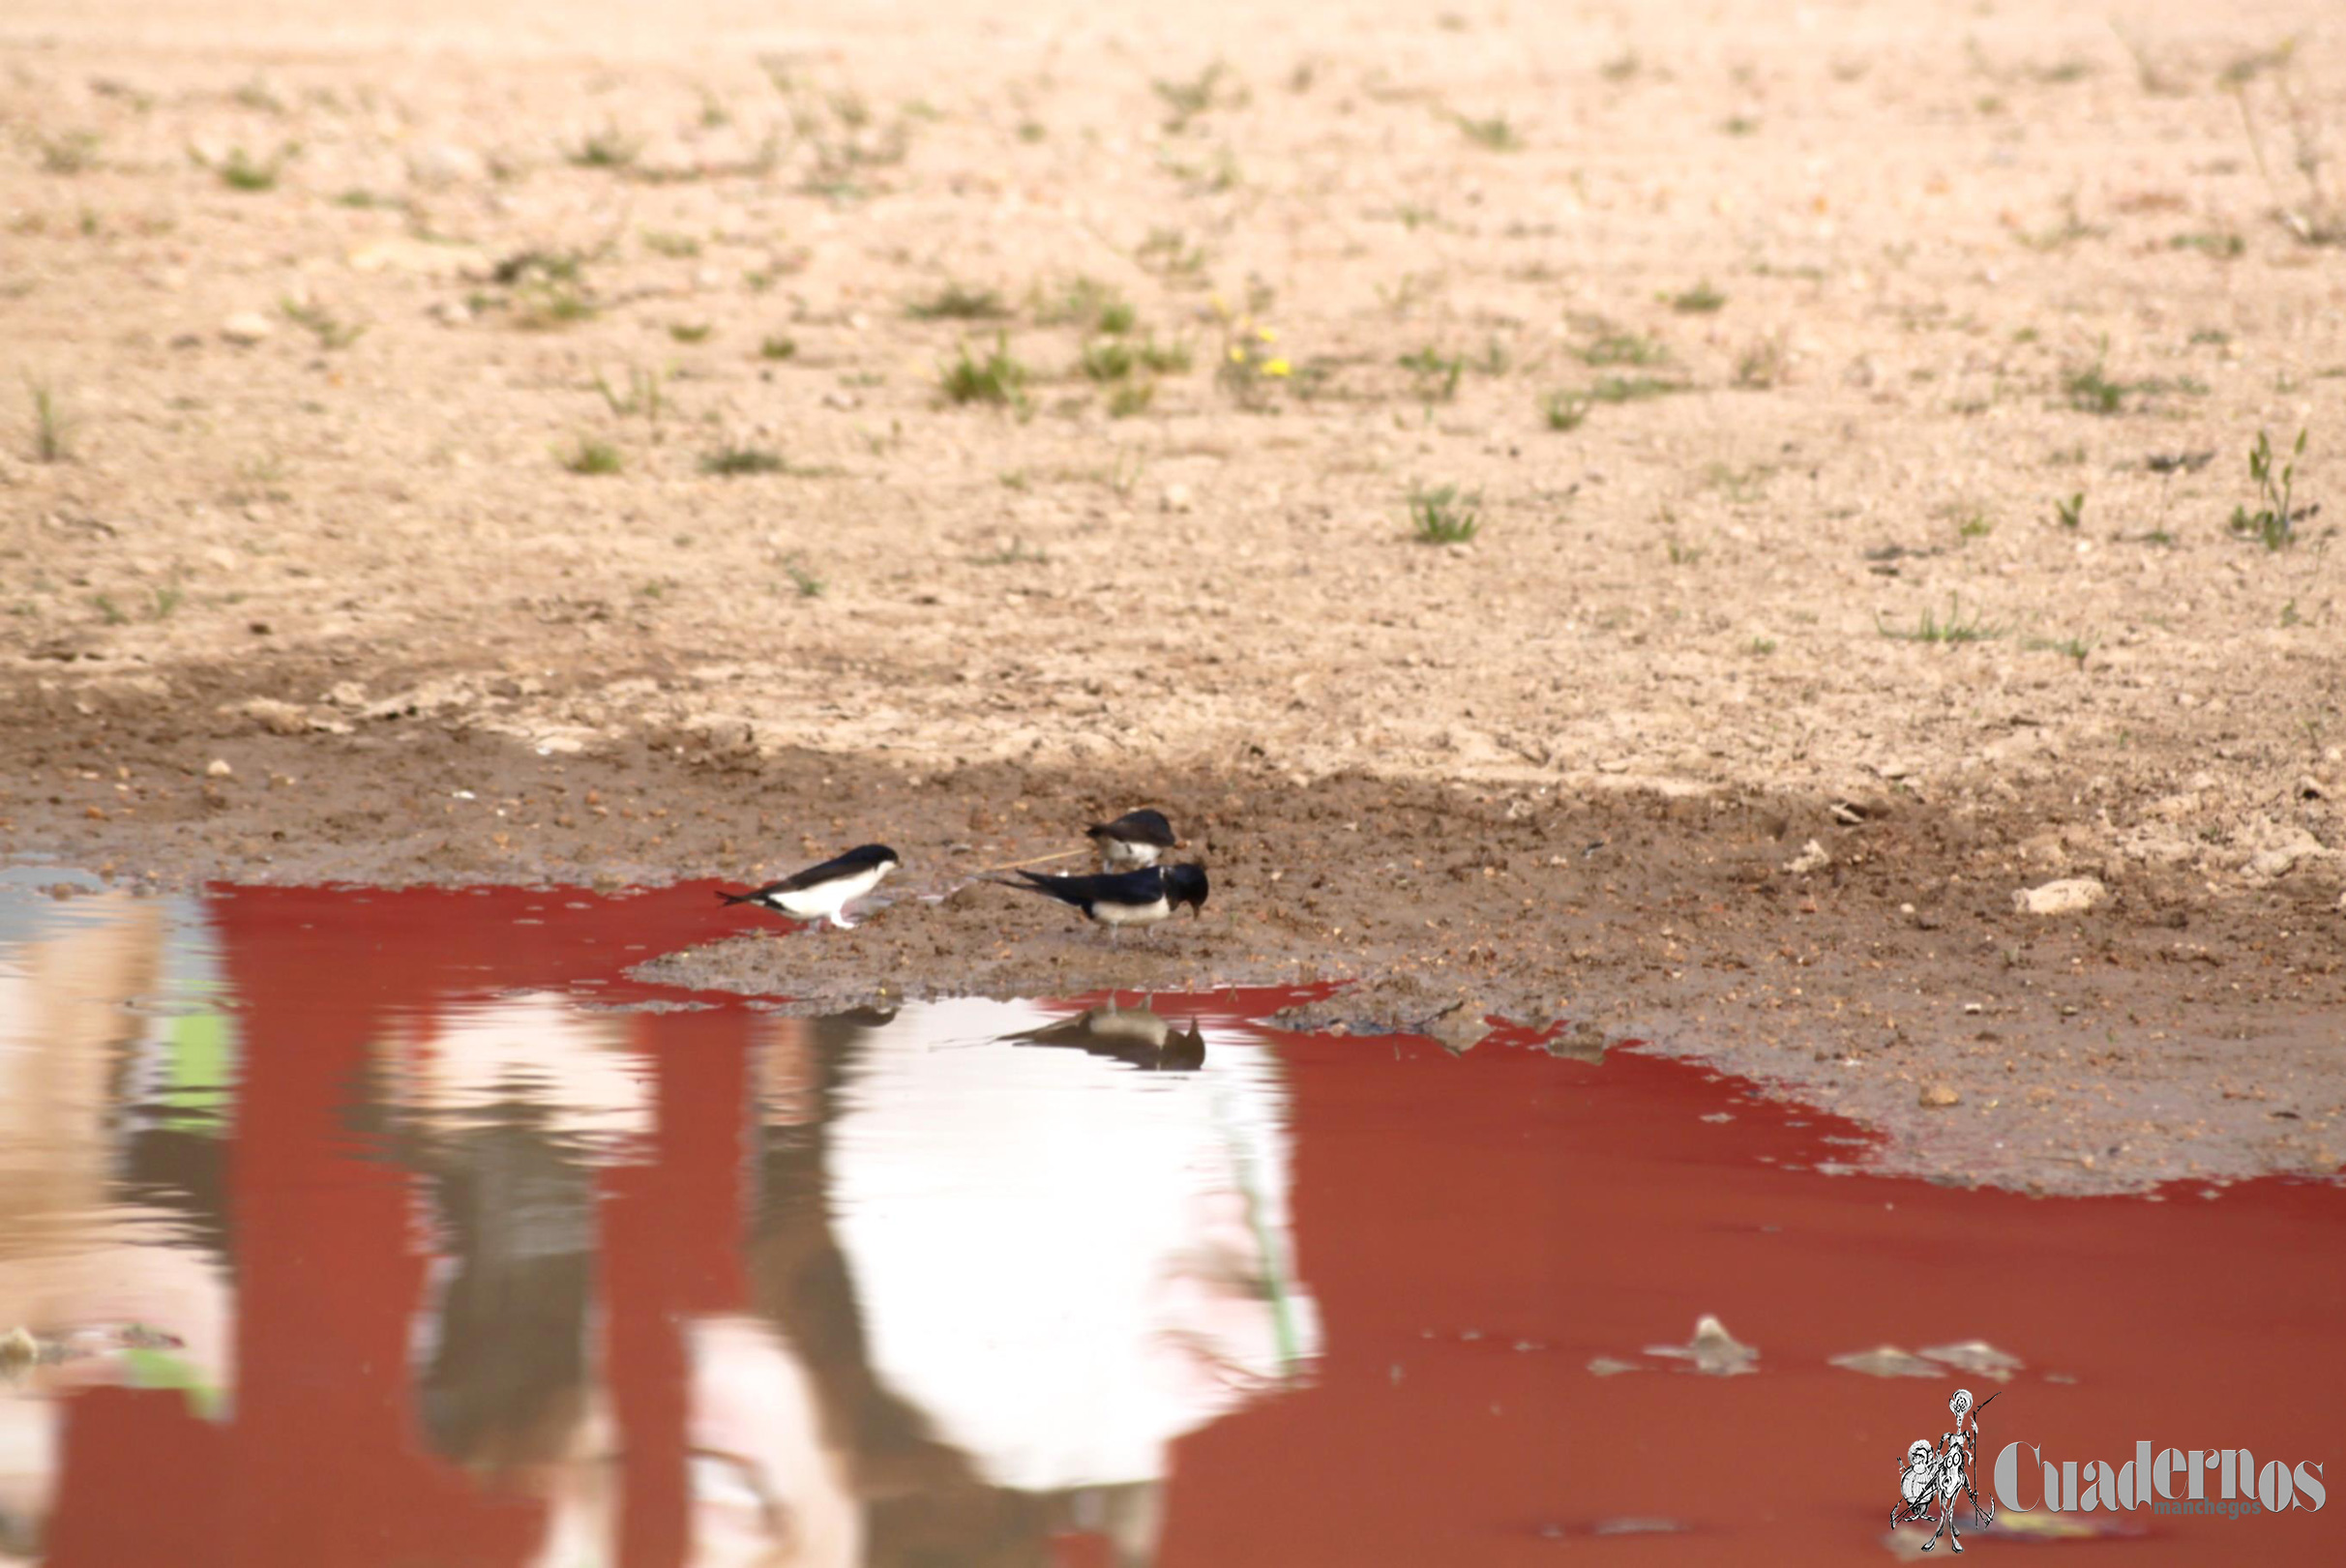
x: 1757, y: 339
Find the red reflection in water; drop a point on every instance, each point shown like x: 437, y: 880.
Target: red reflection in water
x: 1589, y: 1212
x: 1474, y: 1231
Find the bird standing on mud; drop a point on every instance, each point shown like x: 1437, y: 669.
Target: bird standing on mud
x: 1132, y: 840
x: 1119, y: 898
x: 824, y: 892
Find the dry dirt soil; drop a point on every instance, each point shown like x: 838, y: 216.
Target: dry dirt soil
x: 624, y: 443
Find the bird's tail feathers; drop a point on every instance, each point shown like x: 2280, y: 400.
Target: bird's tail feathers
x: 1035, y: 882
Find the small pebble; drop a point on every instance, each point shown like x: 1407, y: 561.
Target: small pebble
x: 2072, y: 896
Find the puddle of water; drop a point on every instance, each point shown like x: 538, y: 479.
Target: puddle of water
x: 374, y: 1228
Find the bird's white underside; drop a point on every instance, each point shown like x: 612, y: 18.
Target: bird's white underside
x: 826, y: 899
x: 1130, y: 914
x: 1126, y: 857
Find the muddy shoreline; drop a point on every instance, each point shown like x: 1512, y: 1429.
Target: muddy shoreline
x: 1862, y: 955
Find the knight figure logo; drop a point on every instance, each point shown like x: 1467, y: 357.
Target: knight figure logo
x: 1931, y: 1481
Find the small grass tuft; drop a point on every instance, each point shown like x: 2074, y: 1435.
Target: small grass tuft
x: 1214, y: 87
x: 778, y: 346
x: 1443, y: 514
x: 1115, y: 359
x: 256, y: 95
x: 2088, y: 389
x: 730, y: 461
x: 1954, y: 630
x: 1018, y: 552
x: 52, y: 429
x: 1437, y: 374
x: 1623, y: 389
x: 2073, y: 649
x: 959, y: 302
x: 1109, y: 359
x: 1762, y: 365
x: 239, y: 170
x: 996, y: 378
x: 550, y: 308
x: 73, y: 152
x: 2222, y: 244
x: 330, y: 331
x: 807, y: 584
x: 642, y: 395
x: 1083, y: 303
x: 1168, y: 253
x: 535, y: 266
x: 2272, y: 521
x: 589, y: 456
x: 607, y: 148
x: 2070, y: 513
x: 690, y: 332
x: 1165, y: 359
x: 1700, y: 300
x: 1624, y: 348
x: 1564, y: 410
x: 1495, y: 133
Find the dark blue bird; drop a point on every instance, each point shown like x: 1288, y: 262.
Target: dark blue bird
x: 1119, y: 898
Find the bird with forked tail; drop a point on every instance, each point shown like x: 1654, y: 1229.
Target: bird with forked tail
x: 824, y: 892
x: 1119, y: 898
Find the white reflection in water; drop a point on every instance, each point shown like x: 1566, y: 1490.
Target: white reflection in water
x: 990, y: 1258
x: 975, y: 1265
x: 112, y: 1067
x: 1064, y: 1261
x: 482, y: 1063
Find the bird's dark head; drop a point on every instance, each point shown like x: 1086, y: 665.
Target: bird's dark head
x: 878, y: 856
x: 1145, y: 826
x: 1187, y: 884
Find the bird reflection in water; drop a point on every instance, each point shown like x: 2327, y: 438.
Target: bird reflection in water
x: 968, y: 1296
x: 1135, y: 1036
